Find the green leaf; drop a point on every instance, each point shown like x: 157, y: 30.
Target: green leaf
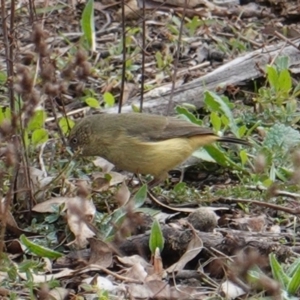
x: 281, y: 136
x: 37, y: 121
x: 26, y: 138
x: 284, y: 81
x: 159, y: 59
x: 52, y: 218
x: 177, y: 21
x: 186, y: 114
x: 119, y: 215
x: 88, y: 24
x: 39, y: 250
x: 3, y: 77
x: 243, y: 156
x: 28, y: 265
x: 278, y: 272
x: 272, y: 76
x: 49, y: 9
x: 92, y: 102
x: 242, y: 131
x: 217, y: 104
x: 254, y: 275
x: 254, y: 126
x: 66, y: 124
x: 108, y: 177
x: 293, y: 267
x: 116, y: 218
x: 109, y: 99
x: 272, y: 174
x: 147, y: 211
x: 294, y: 284
x: 128, y: 64
x: 225, y: 121
x: 39, y: 136
x: 7, y: 113
x: 189, y: 106
x: 140, y: 196
x: 202, y: 154
x: 180, y: 187
x: 296, y: 91
x: 283, y: 174
x: 173, y: 29
x: 267, y: 182
x: 2, y: 115
x: 215, y: 121
x: 282, y: 63
x: 156, y: 239
x: 193, y: 25
x: 135, y: 108
x: 217, y: 155
x: 221, y: 158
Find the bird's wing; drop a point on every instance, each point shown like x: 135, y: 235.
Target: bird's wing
x: 181, y: 128
x: 156, y: 128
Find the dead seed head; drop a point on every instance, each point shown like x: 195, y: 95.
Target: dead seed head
x: 35, y: 97
x: 84, y: 70
x: 10, y: 155
x: 5, y: 128
x: 271, y: 286
x: 295, y: 178
x: 20, y: 68
x: 79, y: 88
x: 28, y: 115
x: 63, y: 87
x: 14, y: 119
x: 38, y: 38
x: 259, y: 164
x: 37, y: 34
x: 130, y: 226
x: 296, y: 159
x: 83, y: 190
x: 80, y: 58
x: 51, y: 89
x: 68, y: 72
x: 43, y: 49
x: 32, y: 99
x: 272, y: 191
x: 18, y: 88
x: 25, y: 83
x: 246, y: 260
x: 48, y: 72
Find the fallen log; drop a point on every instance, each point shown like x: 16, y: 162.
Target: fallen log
x: 226, y: 241
x: 241, y: 69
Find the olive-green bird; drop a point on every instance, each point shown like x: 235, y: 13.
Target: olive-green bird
x: 142, y: 143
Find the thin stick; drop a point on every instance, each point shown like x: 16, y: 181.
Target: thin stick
x: 170, y: 104
x: 124, y: 58
x: 143, y: 57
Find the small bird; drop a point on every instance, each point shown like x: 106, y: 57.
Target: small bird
x: 142, y: 143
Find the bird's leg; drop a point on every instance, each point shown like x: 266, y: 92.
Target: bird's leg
x: 132, y: 177
x: 157, y: 180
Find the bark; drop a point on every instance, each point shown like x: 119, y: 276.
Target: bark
x: 244, y: 68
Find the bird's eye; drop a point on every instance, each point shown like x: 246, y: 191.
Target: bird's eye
x: 74, y: 140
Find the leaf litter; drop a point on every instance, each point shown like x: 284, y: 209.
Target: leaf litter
x: 121, y: 265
